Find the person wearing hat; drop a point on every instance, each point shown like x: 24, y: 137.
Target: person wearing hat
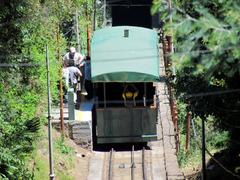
x: 75, y: 56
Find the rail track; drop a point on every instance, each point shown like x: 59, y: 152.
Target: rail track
x: 129, y: 165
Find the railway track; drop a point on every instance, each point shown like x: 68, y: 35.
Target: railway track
x: 127, y: 165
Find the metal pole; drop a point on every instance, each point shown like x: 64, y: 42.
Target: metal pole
x: 51, y: 172
x: 88, y: 41
x: 204, y: 177
x: 88, y: 32
x: 145, y: 95
x: 104, y: 12
x: 104, y: 95
x: 77, y: 32
x: 188, y: 131
x: 60, y: 84
x: 94, y: 15
x: 170, y: 10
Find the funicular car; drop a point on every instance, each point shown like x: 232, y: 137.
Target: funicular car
x: 124, y: 67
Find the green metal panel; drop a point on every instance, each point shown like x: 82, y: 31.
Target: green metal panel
x: 125, y: 54
x: 120, y: 125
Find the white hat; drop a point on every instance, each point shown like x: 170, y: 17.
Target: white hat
x: 72, y: 49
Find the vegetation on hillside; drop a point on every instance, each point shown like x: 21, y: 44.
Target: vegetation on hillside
x: 27, y: 26
x: 68, y: 158
x: 207, y: 59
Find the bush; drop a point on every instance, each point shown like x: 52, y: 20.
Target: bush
x: 62, y: 147
x: 216, y: 138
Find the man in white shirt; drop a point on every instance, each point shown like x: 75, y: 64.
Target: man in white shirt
x: 73, y: 55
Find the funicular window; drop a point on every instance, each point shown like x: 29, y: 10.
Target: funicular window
x: 125, y: 94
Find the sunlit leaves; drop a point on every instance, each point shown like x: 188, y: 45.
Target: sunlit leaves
x: 206, y: 31
x: 26, y: 27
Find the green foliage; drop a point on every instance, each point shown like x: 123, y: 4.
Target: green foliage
x: 84, y: 11
x: 27, y: 26
x: 206, y: 59
x: 64, y: 163
x: 205, y: 36
x: 216, y: 138
x: 63, y: 148
x: 18, y: 127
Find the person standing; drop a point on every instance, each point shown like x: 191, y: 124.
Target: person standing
x: 74, y: 75
x: 73, y: 55
x: 65, y: 78
x: 78, y: 62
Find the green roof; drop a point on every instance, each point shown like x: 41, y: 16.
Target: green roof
x: 125, y: 54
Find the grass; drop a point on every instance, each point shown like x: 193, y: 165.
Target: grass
x: 64, y: 162
x: 216, y: 139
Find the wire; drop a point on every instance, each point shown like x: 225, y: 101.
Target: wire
x: 208, y: 152
x: 129, y: 5
x: 70, y: 29
x: 230, y: 125
x: 211, y: 93
x: 113, y: 1
x: 221, y: 165
x: 204, y: 51
x: 13, y: 65
x: 222, y: 28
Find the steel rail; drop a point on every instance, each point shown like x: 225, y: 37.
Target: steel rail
x: 110, y: 172
x: 143, y: 164
x: 132, y: 163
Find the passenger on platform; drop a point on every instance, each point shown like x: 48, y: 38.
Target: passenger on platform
x: 74, y: 75
x: 65, y: 77
x: 78, y: 62
x: 73, y: 55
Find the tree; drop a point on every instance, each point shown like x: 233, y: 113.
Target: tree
x: 207, y: 58
x: 26, y: 27
x: 205, y: 37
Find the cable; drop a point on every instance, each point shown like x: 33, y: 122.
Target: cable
x: 221, y: 165
x: 204, y: 51
x: 130, y: 5
x: 208, y: 152
x: 70, y: 29
x: 211, y: 93
x: 231, y: 126
x: 223, y: 27
x: 13, y: 65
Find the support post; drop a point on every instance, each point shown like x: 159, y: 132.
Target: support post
x: 94, y: 15
x: 145, y: 95
x: 204, y: 176
x: 71, y: 105
x: 77, y: 32
x: 88, y: 33
x: 51, y: 171
x: 104, y: 95
x: 60, y: 83
x: 188, y: 131
x: 104, y: 12
x: 170, y: 10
